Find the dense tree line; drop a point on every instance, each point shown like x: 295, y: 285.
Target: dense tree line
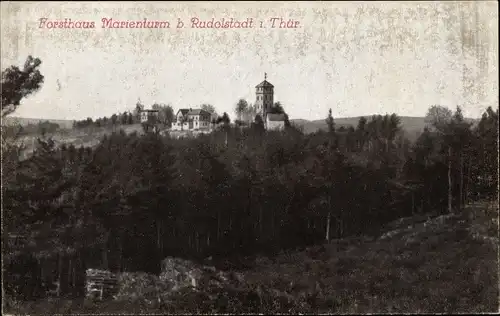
x: 40, y: 128
x: 133, y: 200
x: 165, y: 117
x: 125, y: 118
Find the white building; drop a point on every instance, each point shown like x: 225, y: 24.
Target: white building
x: 275, y: 121
x: 148, y: 115
x: 192, y: 120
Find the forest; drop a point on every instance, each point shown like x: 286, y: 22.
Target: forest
x: 133, y: 200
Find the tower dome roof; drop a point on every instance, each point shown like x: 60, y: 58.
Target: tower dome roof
x: 264, y: 83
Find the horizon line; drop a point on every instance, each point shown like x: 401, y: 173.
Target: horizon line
x: 309, y: 120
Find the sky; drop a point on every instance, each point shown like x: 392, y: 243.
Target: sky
x: 357, y: 58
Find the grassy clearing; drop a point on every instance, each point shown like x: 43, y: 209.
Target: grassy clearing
x: 87, y: 137
x: 447, y: 264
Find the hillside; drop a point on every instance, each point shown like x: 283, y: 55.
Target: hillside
x: 421, y: 264
x: 87, y: 137
x: 412, y: 126
x: 11, y: 120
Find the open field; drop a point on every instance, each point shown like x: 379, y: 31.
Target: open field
x: 87, y: 137
x: 11, y: 120
x: 443, y: 264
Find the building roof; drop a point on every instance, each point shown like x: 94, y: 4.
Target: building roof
x: 183, y: 111
x: 193, y: 112
x: 264, y: 83
x: 276, y: 117
x: 198, y: 112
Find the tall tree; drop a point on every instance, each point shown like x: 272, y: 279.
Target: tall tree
x: 165, y: 114
x: 19, y: 83
x: 224, y: 119
x: 438, y: 116
x: 330, y: 122
x: 277, y: 108
x: 361, y: 132
x: 114, y: 119
x: 137, y: 111
x: 250, y: 112
x: 258, y: 123
x: 484, y: 169
x: 241, y: 108
x: 461, y: 145
x: 208, y: 107
x: 16, y: 84
x: 123, y: 118
x: 130, y: 118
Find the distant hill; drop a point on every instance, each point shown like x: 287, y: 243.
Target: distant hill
x: 412, y: 126
x: 87, y: 137
x: 23, y: 121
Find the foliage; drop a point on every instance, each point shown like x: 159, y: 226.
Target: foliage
x: 224, y: 119
x: 257, y: 189
x: 438, y: 116
x: 444, y: 264
x: 241, y: 108
x: 245, y: 112
x: 330, y: 122
x: 208, y: 107
x: 19, y: 83
x: 41, y: 128
x: 166, y: 114
x: 133, y: 200
x: 272, y: 158
x: 125, y: 118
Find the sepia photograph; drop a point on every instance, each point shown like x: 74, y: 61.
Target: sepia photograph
x: 249, y: 157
